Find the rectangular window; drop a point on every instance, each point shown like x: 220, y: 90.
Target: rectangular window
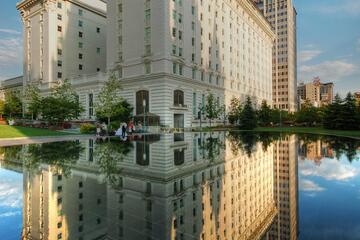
x: 174, y: 48
x: 194, y: 106
x: 147, y: 49
x: 59, y: 17
x: 80, y: 23
x: 193, y: 73
x: 180, y: 52
x: 59, y: 51
x: 81, y: 45
x: 80, y: 12
x: 98, y: 30
x: 91, y: 105
x: 80, y: 67
x: 59, y: 28
x: 174, y: 32
x: 59, y: 63
x: 174, y: 68
x: 80, y: 56
x: 81, y: 34
x: 98, y: 50
x: 59, y: 5
x: 181, y: 70
x: 59, y: 75
x: 147, y: 68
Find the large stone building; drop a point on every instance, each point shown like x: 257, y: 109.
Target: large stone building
x: 282, y: 16
x: 168, y: 54
x: 317, y: 93
x: 180, y: 50
x: 14, y: 85
x: 62, y: 39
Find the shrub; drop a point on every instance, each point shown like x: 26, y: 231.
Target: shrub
x: 87, y: 128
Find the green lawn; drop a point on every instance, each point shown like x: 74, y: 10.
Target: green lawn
x: 15, y: 132
x: 312, y: 130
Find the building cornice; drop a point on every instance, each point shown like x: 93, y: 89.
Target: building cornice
x: 258, y: 17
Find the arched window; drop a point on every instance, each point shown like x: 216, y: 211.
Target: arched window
x: 140, y: 97
x: 178, y: 98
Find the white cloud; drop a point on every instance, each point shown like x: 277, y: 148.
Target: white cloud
x: 308, y: 55
x: 9, y: 31
x: 10, y: 214
x: 328, y: 70
x: 310, y: 186
x: 11, y: 51
x: 349, y: 7
x: 11, y: 194
x: 330, y: 169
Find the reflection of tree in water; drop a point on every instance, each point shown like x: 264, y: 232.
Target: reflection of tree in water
x: 109, y: 153
x: 340, y: 145
x: 212, y: 146
x: 59, y: 155
x: 246, y: 141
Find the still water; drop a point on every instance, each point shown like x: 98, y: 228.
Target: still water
x: 218, y: 185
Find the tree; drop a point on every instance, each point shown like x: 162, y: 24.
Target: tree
x: 110, y: 103
x: 349, y: 113
x: 235, y: 110
x: 13, y: 104
x: 2, y: 108
x: 212, y: 108
x: 62, y: 104
x: 264, y: 114
x: 33, y: 100
x: 333, y: 114
x: 308, y: 114
x: 248, y: 118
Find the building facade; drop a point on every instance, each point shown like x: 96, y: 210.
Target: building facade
x: 182, y: 50
x: 282, y: 16
x: 62, y: 39
x: 317, y: 93
x: 13, y: 84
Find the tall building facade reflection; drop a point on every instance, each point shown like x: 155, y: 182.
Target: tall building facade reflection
x: 286, y: 223
x: 182, y: 186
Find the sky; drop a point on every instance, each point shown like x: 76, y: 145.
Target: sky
x: 328, y: 42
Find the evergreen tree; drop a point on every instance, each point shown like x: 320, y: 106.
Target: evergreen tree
x: 349, y: 114
x: 264, y: 114
x: 248, y: 118
x: 333, y: 114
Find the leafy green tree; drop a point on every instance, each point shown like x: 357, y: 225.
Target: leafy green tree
x: 212, y: 107
x: 62, y: 104
x: 13, y: 105
x: 110, y: 104
x: 33, y: 100
x: 248, y: 119
x: 264, y: 114
x: 2, y: 108
x: 235, y: 110
x: 308, y: 114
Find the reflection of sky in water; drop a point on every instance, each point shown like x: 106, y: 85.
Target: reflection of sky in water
x: 329, y: 199
x: 10, y: 205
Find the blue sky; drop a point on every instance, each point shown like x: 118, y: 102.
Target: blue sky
x: 328, y: 42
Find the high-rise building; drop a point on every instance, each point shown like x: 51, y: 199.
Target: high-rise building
x: 62, y: 39
x: 357, y: 97
x: 182, y: 50
x: 282, y: 16
x: 317, y: 93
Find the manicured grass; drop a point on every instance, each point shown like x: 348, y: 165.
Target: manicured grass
x: 312, y: 130
x: 15, y: 132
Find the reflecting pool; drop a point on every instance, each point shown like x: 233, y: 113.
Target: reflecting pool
x: 216, y: 185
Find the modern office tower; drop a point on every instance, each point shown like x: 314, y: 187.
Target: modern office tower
x: 62, y: 39
x: 357, y: 97
x: 181, y: 50
x: 318, y: 94
x: 286, y: 223
x: 282, y: 16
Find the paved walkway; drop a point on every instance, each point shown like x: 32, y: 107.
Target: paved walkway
x: 31, y: 140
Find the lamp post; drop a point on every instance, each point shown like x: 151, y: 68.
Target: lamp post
x: 144, y: 106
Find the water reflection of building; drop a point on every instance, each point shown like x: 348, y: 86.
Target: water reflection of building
x: 285, y: 189
x: 315, y: 151
x: 59, y: 207
x: 182, y: 186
